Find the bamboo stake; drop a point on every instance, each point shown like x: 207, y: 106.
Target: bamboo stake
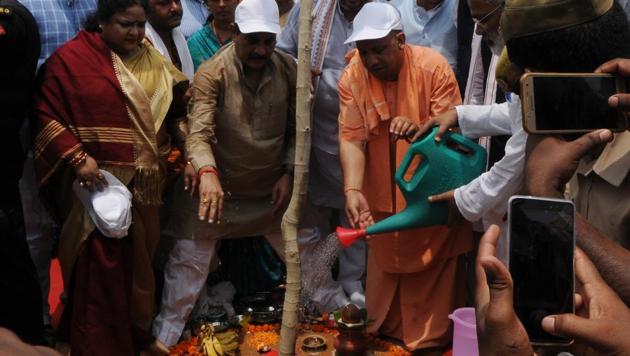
x: 291, y: 217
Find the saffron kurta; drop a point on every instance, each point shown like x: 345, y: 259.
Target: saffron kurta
x: 414, y: 280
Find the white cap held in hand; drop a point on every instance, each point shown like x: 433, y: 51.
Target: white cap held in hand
x: 109, y: 208
x: 257, y: 16
x: 375, y: 20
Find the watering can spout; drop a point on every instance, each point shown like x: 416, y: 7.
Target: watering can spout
x: 348, y: 236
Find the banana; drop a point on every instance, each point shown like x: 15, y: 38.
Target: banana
x: 216, y: 344
x: 207, y: 348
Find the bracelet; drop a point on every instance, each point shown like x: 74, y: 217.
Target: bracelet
x: 210, y: 170
x: 345, y: 191
x: 78, y: 159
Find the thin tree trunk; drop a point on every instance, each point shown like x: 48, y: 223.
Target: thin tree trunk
x: 291, y: 217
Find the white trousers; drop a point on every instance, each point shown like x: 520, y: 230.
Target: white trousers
x: 187, y: 269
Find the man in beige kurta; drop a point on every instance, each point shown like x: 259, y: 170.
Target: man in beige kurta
x: 242, y: 143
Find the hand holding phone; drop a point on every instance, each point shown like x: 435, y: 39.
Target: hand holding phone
x: 571, y: 102
x: 552, y: 161
x: 541, y: 247
x: 620, y: 67
x: 499, y: 332
x: 604, y: 324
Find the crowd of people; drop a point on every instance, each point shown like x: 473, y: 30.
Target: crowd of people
x: 191, y: 105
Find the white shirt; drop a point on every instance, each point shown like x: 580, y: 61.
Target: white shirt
x: 180, y: 43
x: 195, y: 16
x: 487, y: 196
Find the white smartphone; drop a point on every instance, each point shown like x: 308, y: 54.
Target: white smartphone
x: 541, y: 250
x: 571, y: 102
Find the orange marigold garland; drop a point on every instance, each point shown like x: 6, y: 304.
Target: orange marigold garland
x: 187, y: 348
x: 388, y: 347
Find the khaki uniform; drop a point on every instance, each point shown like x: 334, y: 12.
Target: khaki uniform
x: 601, y: 190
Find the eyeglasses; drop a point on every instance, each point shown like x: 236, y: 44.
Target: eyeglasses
x: 484, y: 19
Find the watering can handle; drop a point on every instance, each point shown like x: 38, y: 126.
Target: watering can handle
x: 406, y: 187
x: 473, y: 147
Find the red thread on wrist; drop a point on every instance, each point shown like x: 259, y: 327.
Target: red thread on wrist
x: 345, y: 191
x: 210, y: 170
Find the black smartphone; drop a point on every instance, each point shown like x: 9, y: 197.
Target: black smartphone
x: 571, y: 102
x: 541, y: 250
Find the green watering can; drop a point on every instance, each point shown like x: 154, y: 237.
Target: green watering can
x: 444, y: 165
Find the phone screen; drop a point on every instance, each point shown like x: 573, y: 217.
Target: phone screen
x: 575, y: 103
x: 541, y: 262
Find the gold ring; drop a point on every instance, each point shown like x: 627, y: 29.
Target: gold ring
x: 214, y: 203
x: 205, y: 201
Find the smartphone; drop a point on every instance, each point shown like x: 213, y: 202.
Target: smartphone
x: 571, y: 102
x: 541, y: 249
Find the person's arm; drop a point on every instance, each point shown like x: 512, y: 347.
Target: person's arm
x: 352, y: 157
x: 602, y: 319
x: 201, y: 118
x: 476, y: 198
x: 610, y: 258
x: 551, y: 162
x: 281, y: 191
x: 288, y: 39
x: 177, y: 126
x: 484, y: 120
x: 53, y: 139
x: 201, y: 122
x: 352, y: 141
x: 499, y: 331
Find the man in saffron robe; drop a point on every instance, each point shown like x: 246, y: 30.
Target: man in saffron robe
x: 414, y: 278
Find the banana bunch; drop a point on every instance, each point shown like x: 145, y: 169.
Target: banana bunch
x: 229, y: 341
x: 211, y: 346
x: 218, y: 344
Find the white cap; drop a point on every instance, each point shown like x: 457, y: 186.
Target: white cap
x: 375, y: 20
x: 257, y: 16
x: 110, y: 208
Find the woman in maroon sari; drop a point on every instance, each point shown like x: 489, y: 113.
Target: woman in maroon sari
x: 103, y: 103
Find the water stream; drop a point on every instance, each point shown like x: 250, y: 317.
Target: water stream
x: 319, y: 268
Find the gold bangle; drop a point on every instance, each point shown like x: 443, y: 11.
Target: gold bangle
x: 78, y: 159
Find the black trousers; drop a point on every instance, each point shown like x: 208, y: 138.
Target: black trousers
x: 20, y: 294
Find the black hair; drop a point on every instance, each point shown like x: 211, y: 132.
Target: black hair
x: 581, y: 48
x: 107, y: 8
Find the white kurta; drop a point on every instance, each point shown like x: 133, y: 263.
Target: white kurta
x: 487, y: 196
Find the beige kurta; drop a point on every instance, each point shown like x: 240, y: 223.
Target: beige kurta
x: 248, y: 134
x: 601, y: 190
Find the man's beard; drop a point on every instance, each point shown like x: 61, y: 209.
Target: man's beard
x: 495, y: 42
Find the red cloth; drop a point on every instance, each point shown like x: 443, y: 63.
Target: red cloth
x: 101, y: 322
x: 80, y: 104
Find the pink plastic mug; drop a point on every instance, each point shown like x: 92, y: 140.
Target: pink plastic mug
x: 464, y: 332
